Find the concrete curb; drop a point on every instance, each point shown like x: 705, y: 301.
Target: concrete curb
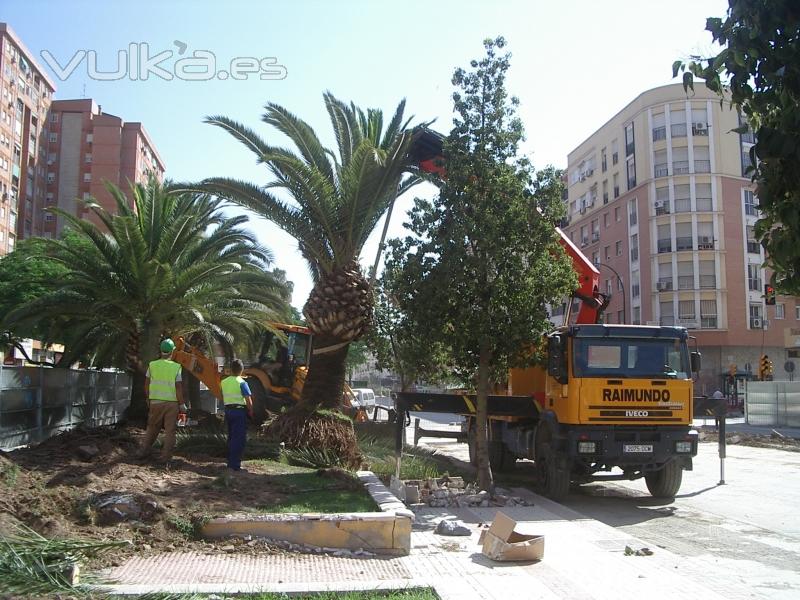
x: 387, y: 532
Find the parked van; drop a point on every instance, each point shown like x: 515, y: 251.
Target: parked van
x: 363, y: 398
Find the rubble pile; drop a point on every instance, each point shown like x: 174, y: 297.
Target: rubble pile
x: 450, y: 491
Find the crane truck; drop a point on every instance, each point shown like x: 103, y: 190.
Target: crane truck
x: 611, y: 402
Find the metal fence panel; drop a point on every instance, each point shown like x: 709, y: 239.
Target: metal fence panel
x: 773, y: 403
x: 38, y: 402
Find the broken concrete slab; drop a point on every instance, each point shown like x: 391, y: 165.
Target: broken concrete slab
x: 452, y: 527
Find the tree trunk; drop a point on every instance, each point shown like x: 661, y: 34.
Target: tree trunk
x: 191, y: 389
x: 326, y: 373
x: 138, y: 408
x: 485, y: 480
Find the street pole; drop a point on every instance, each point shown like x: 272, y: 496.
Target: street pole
x: 621, y: 285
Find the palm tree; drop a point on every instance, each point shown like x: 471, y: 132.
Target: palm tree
x: 330, y: 203
x: 171, y: 264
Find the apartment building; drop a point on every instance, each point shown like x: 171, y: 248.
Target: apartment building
x: 659, y: 199
x: 26, y: 96
x: 88, y: 148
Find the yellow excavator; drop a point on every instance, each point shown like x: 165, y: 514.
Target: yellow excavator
x: 276, y: 377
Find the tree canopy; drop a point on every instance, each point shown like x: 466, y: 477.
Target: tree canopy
x: 484, y: 259
x: 758, y: 70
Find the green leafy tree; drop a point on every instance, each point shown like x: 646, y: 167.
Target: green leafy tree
x: 396, y: 342
x: 169, y: 265
x: 329, y: 202
x: 485, y: 258
x: 357, y: 356
x: 758, y: 70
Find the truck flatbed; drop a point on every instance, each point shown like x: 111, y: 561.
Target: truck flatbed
x: 465, y: 404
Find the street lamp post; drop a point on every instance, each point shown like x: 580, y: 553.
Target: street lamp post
x: 621, y: 285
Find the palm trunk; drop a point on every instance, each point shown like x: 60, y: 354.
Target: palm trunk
x: 326, y: 374
x: 485, y: 480
x: 138, y: 408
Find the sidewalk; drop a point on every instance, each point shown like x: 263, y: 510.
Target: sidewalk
x: 584, y: 559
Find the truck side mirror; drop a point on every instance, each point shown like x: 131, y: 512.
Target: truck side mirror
x: 695, y: 360
x: 556, y: 363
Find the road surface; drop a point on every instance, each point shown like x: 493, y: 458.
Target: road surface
x: 741, y: 539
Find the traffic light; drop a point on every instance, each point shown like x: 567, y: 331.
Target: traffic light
x: 765, y: 368
x: 769, y: 294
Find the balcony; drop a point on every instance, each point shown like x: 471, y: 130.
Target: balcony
x: 661, y: 170
x: 753, y: 247
x: 595, y: 236
x: 659, y: 133
x: 702, y: 166
x: 680, y: 167
x: 708, y: 282
x: 662, y: 208
x: 684, y: 243
x: 678, y: 130
x: 664, y: 246
x: 705, y: 243
x: 754, y: 285
x: 635, y: 290
x: 700, y: 129
x: 708, y: 322
x: 605, y: 197
x: 616, y: 191
x: 634, y: 254
x: 685, y: 282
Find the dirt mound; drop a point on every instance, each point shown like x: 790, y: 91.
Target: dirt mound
x: 773, y: 440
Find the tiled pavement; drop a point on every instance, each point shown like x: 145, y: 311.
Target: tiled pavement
x: 584, y: 559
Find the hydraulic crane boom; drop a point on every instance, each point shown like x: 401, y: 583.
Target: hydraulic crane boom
x: 427, y: 152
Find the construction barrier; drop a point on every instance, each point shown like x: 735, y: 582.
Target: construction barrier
x: 773, y: 403
x: 39, y: 402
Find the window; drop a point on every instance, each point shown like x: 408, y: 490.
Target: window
x: 603, y: 160
x: 753, y: 277
x: 708, y: 314
x: 662, y: 201
x: 753, y: 247
x: 686, y: 310
x: 631, y: 171
x: 89, y: 138
x: 614, y: 152
x: 659, y: 127
x: 605, y: 191
x: 635, y: 247
x: 705, y: 235
x: 620, y: 284
x: 780, y: 311
x: 53, y: 137
x: 54, y: 117
x: 678, y: 123
x: 660, y: 166
x: 683, y: 201
x: 618, y: 247
x: 797, y: 312
x: 87, y: 177
x: 702, y: 160
x: 685, y: 275
x: 648, y: 358
x: 635, y: 284
x: 637, y: 315
x: 667, y: 311
x: 664, y: 239
x: 87, y: 158
x: 51, y: 177
x: 683, y: 236
x: 756, y: 322
x: 703, y: 196
x: 708, y: 279
x: 49, y: 218
x: 629, y: 145
x: 617, y: 218
x: 605, y: 220
x: 664, y: 283
x: 616, y: 185
x: 595, y: 257
x: 680, y: 161
x: 749, y: 203
x: 620, y: 316
x: 632, y: 211
x: 607, y: 252
x: 699, y: 122
x: 608, y: 287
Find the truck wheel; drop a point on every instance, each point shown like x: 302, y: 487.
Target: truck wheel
x: 666, y: 482
x: 497, y: 455
x: 553, y: 476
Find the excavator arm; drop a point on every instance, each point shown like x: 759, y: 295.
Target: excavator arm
x: 202, y: 367
x: 427, y: 153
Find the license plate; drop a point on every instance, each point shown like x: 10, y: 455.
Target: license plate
x: 638, y: 448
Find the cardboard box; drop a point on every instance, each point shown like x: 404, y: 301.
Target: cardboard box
x: 500, y: 542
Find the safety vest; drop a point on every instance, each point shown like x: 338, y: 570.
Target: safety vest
x: 162, y: 380
x: 232, y: 391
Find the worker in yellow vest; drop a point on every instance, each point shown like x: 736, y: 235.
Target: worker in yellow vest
x: 238, y: 401
x: 162, y: 387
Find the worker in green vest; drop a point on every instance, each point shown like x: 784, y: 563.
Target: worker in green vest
x: 238, y: 403
x: 162, y: 386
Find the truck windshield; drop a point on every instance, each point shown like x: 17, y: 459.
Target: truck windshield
x: 630, y: 357
x: 298, y: 345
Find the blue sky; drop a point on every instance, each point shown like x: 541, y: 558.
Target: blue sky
x: 574, y: 65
